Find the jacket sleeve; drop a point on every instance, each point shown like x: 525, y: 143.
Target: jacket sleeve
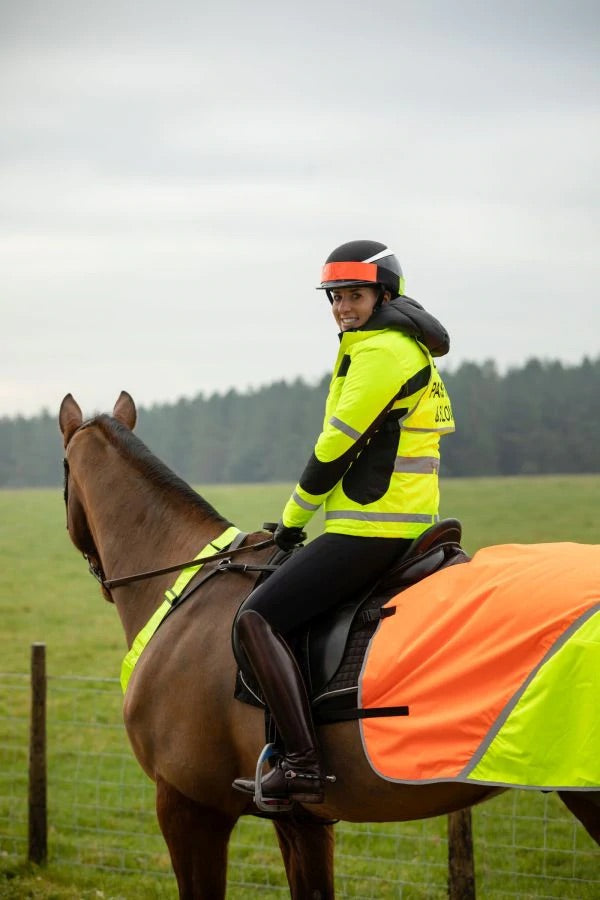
x: 371, y: 386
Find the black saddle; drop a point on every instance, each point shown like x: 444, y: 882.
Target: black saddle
x: 332, y: 648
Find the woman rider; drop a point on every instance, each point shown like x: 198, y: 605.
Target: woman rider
x: 374, y: 466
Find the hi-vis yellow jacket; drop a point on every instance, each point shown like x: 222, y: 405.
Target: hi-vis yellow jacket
x: 375, y: 464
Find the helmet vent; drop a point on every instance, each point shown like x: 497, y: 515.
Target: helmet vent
x: 381, y: 255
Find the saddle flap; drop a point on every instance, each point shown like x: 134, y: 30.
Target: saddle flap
x: 326, y: 640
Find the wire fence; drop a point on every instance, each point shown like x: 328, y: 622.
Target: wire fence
x: 101, y: 817
x: 14, y: 743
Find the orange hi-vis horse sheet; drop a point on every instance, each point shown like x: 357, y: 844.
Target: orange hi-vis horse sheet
x: 498, y: 660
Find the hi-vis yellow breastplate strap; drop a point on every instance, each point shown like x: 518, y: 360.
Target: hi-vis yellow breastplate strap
x: 142, y: 638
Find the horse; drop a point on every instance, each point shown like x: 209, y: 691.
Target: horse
x: 126, y: 510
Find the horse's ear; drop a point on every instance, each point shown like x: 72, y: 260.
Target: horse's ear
x: 70, y: 417
x: 125, y: 411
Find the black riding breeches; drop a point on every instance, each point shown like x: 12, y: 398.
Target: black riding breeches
x: 330, y: 569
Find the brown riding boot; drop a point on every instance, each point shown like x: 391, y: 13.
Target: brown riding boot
x: 297, y: 775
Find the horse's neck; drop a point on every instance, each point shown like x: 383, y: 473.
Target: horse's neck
x: 154, y: 530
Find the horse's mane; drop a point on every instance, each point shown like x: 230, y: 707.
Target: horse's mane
x: 135, y: 451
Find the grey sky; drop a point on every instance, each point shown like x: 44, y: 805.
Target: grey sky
x: 172, y: 177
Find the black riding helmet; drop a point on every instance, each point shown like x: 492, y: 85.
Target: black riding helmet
x: 362, y: 262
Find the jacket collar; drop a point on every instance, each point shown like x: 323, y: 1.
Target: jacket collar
x: 406, y: 315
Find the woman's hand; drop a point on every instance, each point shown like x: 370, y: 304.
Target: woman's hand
x: 288, y: 537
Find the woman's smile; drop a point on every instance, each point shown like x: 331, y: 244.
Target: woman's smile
x: 353, y: 306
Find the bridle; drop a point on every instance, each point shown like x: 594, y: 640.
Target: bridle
x: 96, y: 569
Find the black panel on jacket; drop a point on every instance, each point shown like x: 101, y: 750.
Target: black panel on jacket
x: 321, y: 477
x: 344, y: 366
x: 419, y: 380
x: 369, y: 476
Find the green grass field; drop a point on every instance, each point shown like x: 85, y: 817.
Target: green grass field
x: 101, y: 806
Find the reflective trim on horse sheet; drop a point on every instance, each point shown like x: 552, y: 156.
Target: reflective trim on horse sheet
x: 563, y: 668
x: 304, y: 503
x: 381, y: 516
x: 498, y: 660
x: 422, y: 465
x: 345, y: 429
x: 143, y: 637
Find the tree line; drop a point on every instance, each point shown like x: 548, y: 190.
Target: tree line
x: 542, y: 417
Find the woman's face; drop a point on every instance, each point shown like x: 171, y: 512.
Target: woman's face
x: 352, y: 306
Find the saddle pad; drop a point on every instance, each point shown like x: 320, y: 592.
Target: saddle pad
x: 499, y: 662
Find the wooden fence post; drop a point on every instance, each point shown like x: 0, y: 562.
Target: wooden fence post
x: 37, y: 811
x: 461, y: 866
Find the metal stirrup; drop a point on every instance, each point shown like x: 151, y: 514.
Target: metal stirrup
x: 267, y: 805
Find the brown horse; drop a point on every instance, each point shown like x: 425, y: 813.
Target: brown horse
x: 127, y: 513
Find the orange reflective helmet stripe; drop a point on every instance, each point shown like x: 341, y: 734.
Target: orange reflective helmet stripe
x: 345, y: 271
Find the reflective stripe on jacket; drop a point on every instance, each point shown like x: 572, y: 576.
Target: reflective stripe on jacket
x: 375, y: 464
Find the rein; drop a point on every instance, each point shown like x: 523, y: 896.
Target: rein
x: 185, y: 585
x: 108, y: 583
x: 227, y: 544
x: 224, y: 554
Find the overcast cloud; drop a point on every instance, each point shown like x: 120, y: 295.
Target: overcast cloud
x: 172, y: 177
